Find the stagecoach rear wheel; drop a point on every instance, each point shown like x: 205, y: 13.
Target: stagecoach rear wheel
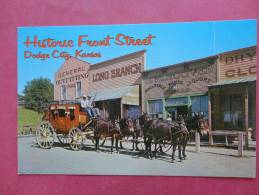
x: 75, y: 139
x: 45, y: 135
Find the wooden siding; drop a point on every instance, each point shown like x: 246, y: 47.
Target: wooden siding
x: 68, y: 74
x: 109, y: 81
x: 187, y: 78
x: 237, y: 64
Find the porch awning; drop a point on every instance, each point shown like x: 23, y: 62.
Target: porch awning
x: 234, y: 81
x: 128, y: 94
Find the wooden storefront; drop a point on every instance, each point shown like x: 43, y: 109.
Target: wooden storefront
x: 232, y: 100
x: 179, y: 89
x: 115, y: 83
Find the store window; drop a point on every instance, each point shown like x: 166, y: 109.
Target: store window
x: 232, y: 111
x: 63, y: 94
x: 177, y: 101
x: 200, y: 104
x: 78, y: 89
x: 132, y: 112
x: 155, y: 108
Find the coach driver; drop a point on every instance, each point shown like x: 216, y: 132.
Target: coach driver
x: 86, y: 104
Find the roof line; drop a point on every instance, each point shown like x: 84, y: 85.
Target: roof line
x: 117, y: 58
x: 181, y: 63
x: 235, y: 50
x: 69, y: 59
x: 197, y: 60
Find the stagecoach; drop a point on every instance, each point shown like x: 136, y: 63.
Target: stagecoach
x: 65, y: 121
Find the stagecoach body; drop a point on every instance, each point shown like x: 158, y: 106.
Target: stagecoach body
x: 63, y: 117
x: 66, y: 122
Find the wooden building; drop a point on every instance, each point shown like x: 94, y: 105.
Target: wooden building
x: 178, y: 89
x: 232, y: 100
x: 114, y: 83
x: 71, y: 80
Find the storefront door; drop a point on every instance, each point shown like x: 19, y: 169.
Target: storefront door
x: 176, y: 111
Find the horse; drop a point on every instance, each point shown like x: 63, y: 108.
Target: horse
x: 180, y: 138
x: 197, y: 123
x: 159, y: 130
x: 130, y: 128
x: 104, y: 129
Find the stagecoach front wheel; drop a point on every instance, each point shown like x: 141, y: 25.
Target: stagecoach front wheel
x: 76, y: 139
x: 45, y: 135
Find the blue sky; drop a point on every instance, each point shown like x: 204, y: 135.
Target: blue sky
x: 174, y: 43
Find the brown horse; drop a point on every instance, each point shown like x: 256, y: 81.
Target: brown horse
x: 105, y: 129
x: 158, y: 130
x: 197, y: 123
x: 130, y: 128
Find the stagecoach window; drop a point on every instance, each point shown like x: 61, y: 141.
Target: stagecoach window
x: 72, y: 114
x: 53, y: 113
x: 61, y: 112
x: 155, y: 107
x: 78, y: 89
x: 200, y: 104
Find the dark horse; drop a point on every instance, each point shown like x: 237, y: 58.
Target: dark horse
x: 130, y: 128
x: 195, y: 123
x: 158, y: 130
x: 104, y: 129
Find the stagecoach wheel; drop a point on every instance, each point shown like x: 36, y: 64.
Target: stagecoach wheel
x: 153, y: 147
x: 75, y: 139
x: 141, y: 144
x: 45, y: 135
x: 163, y: 147
x: 63, y: 139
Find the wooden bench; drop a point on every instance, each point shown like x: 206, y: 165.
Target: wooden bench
x: 238, y: 134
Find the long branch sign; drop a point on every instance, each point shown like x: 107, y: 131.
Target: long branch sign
x: 117, y: 72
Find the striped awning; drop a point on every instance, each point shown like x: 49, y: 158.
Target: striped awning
x: 234, y: 81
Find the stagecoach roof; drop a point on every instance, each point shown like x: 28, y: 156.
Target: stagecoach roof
x: 234, y: 81
x: 115, y: 93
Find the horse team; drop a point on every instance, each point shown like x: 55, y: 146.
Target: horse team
x: 155, y: 132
